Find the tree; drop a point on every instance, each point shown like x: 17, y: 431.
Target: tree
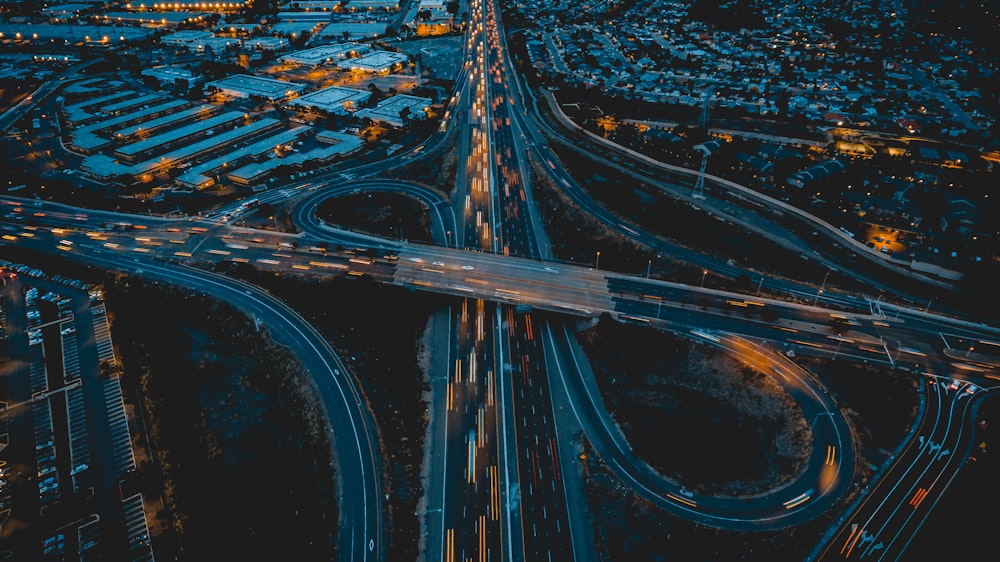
x: 452, y: 7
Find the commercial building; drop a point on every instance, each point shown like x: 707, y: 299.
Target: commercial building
x: 352, y: 31
x: 245, y: 86
x: 340, y: 145
x: 375, y: 62
x: 162, y: 142
x: 86, y: 110
x: 86, y: 139
x: 333, y: 100
x: 171, y: 75
x: 153, y: 19
x: 203, y: 175
x: 98, y: 36
x: 185, y: 38
x: 270, y: 44
x: 160, y: 123
x: 391, y: 111
x: 325, y: 54
x: 105, y: 168
x: 199, y: 41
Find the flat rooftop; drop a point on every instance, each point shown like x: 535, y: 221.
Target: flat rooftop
x: 102, y: 165
x: 325, y: 53
x: 80, y: 111
x: 84, y: 137
x: 375, y: 60
x: 227, y: 118
x: 75, y: 33
x: 197, y: 175
x: 333, y: 99
x: 257, y: 85
x: 248, y: 173
x: 126, y: 104
x: 166, y: 120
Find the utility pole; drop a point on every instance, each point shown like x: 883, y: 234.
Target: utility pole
x: 699, y: 186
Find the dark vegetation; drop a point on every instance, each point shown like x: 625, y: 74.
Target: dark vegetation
x: 240, y: 441
x: 628, y: 527
x: 696, y: 415
x: 577, y: 236
x: 389, y: 215
x: 881, y: 403
x: 436, y: 169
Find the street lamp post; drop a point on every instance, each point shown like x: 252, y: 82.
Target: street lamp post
x: 597, y: 264
x: 649, y: 264
x: 821, y: 287
x: 929, y: 304
x: 704, y: 272
x: 759, y: 285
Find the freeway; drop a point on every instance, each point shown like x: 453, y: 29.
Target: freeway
x: 891, y: 336
x: 581, y: 291
x: 498, y: 226
x: 887, y: 518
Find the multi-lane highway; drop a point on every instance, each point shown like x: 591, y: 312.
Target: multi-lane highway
x: 507, y: 379
x: 899, y: 503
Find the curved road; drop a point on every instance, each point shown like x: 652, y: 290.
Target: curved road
x: 353, y: 433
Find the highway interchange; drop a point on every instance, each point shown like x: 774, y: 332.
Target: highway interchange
x: 504, y: 479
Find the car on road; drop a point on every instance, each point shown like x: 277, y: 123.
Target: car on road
x: 468, y: 267
x: 954, y: 385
